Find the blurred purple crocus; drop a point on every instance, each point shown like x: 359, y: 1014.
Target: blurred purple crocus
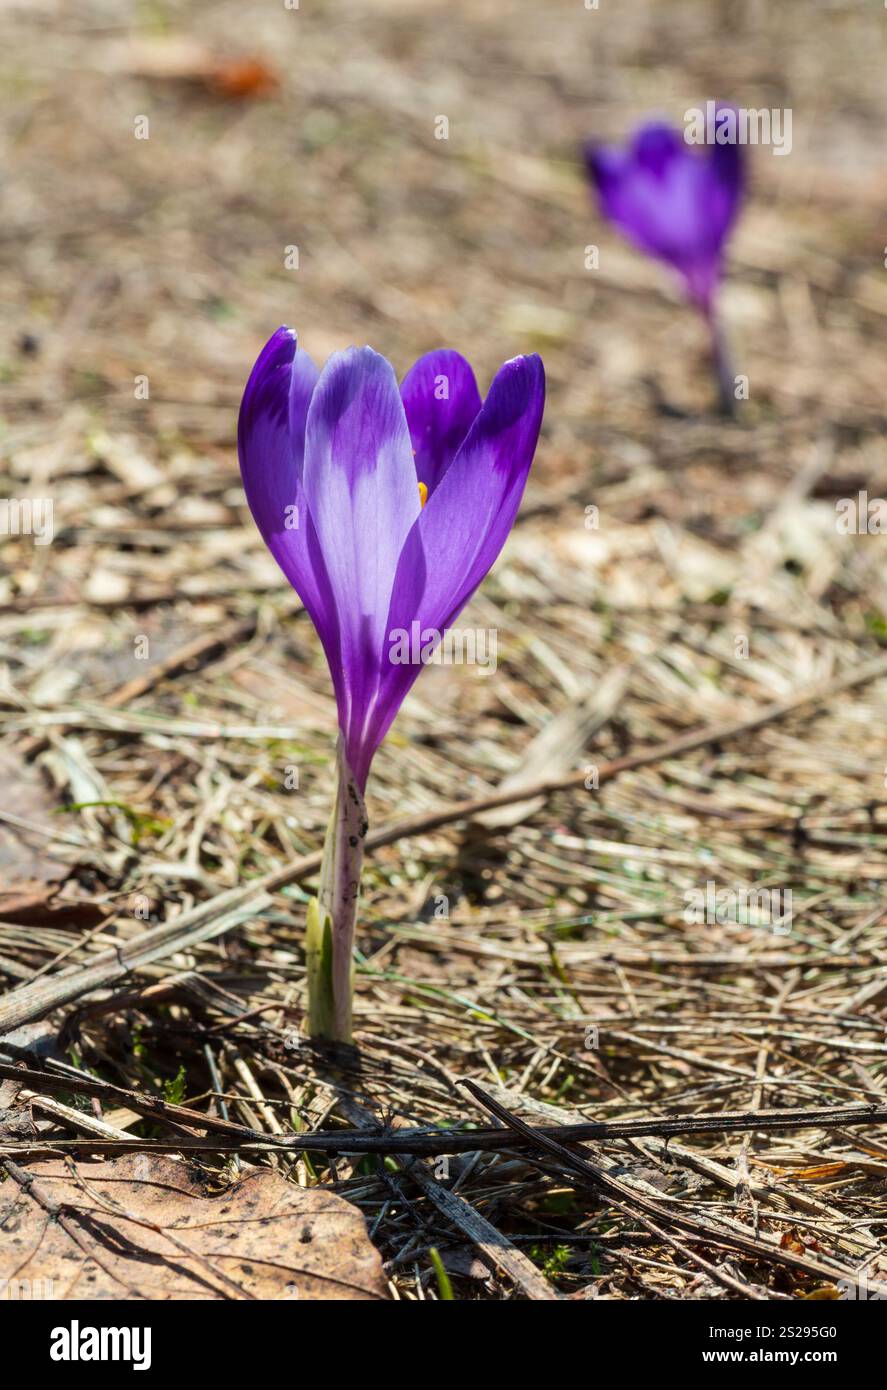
x: 679, y: 206
x: 385, y: 507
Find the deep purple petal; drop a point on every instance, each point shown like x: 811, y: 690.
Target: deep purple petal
x: 362, y: 495
x: 459, y: 534
x: 271, y: 445
x: 727, y: 186
x: 275, y: 402
x: 441, y: 401
x: 602, y: 162
x: 656, y: 147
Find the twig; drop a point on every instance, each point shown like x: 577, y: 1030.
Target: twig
x: 436, y: 1141
x: 494, y: 1247
x: 627, y: 1199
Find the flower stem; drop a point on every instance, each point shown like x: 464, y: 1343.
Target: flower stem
x: 722, y: 361
x: 329, y: 942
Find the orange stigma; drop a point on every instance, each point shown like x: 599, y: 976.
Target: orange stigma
x: 423, y: 494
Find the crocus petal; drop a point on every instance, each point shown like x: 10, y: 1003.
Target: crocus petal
x: 275, y: 406
x: 651, y: 191
x: 271, y: 445
x: 441, y: 401
x: 465, y: 525
x: 672, y: 202
x: 727, y: 187
x: 459, y: 534
x: 360, y: 487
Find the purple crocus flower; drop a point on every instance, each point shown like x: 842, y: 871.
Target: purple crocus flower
x: 384, y: 507
x: 678, y: 205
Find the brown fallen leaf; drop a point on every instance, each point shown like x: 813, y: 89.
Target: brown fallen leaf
x: 35, y: 904
x: 178, y: 58
x: 790, y: 1240
x: 242, y: 78
x: 24, y: 853
x: 143, y: 1226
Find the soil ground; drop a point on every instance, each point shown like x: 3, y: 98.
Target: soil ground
x: 549, y: 954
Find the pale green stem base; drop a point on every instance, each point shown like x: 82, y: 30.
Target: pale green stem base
x: 329, y: 941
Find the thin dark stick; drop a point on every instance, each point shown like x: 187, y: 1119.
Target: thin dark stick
x: 633, y: 1202
x: 428, y: 1142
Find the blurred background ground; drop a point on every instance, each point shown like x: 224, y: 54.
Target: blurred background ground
x: 488, y: 954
